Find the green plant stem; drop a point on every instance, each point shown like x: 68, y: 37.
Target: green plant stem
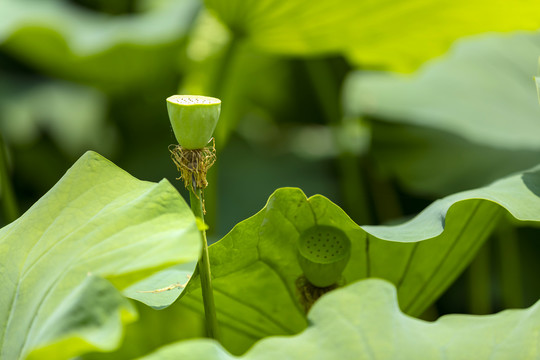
x: 510, y: 266
x: 354, y: 188
x: 222, y: 71
x: 220, y: 77
x: 196, y: 202
x: 9, y: 203
x: 480, y: 282
x: 386, y: 204
x: 353, y: 185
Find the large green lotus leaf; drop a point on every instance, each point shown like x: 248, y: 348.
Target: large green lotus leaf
x: 162, y: 288
x: 255, y: 267
x: 363, y: 321
x: 90, y: 317
x: 96, y: 222
x: 478, y: 108
x: 366, y: 30
x: 167, y: 326
x: 113, y: 52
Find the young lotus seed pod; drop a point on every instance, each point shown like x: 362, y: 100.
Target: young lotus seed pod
x: 193, y: 119
x: 323, y: 254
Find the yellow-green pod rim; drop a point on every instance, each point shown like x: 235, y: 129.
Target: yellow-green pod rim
x: 193, y: 119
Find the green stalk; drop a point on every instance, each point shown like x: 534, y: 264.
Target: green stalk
x: 510, y: 266
x: 221, y: 73
x: 386, y: 201
x: 480, y: 282
x: 9, y: 204
x: 220, y: 77
x: 353, y: 186
x: 196, y: 202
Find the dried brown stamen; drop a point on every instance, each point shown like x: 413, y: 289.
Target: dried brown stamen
x: 193, y: 164
x: 309, y: 293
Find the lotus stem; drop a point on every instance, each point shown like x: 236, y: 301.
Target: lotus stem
x: 196, y: 202
x: 9, y: 203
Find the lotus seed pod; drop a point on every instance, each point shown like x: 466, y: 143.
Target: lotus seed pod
x: 193, y: 119
x: 323, y: 254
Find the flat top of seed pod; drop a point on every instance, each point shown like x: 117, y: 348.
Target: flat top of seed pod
x: 324, y: 244
x: 193, y: 100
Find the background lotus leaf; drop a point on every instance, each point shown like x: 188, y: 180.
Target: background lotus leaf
x: 111, y: 52
x: 366, y: 30
x: 459, y: 122
x: 72, y: 114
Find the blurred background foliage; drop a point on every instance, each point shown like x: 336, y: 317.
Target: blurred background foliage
x: 311, y: 99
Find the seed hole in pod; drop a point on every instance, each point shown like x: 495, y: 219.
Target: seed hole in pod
x: 341, y: 247
x: 190, y: 100
x: 325, y: 257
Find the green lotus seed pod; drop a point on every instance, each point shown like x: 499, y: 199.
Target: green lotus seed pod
x: 323, y: 254
x: 193, y: 119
